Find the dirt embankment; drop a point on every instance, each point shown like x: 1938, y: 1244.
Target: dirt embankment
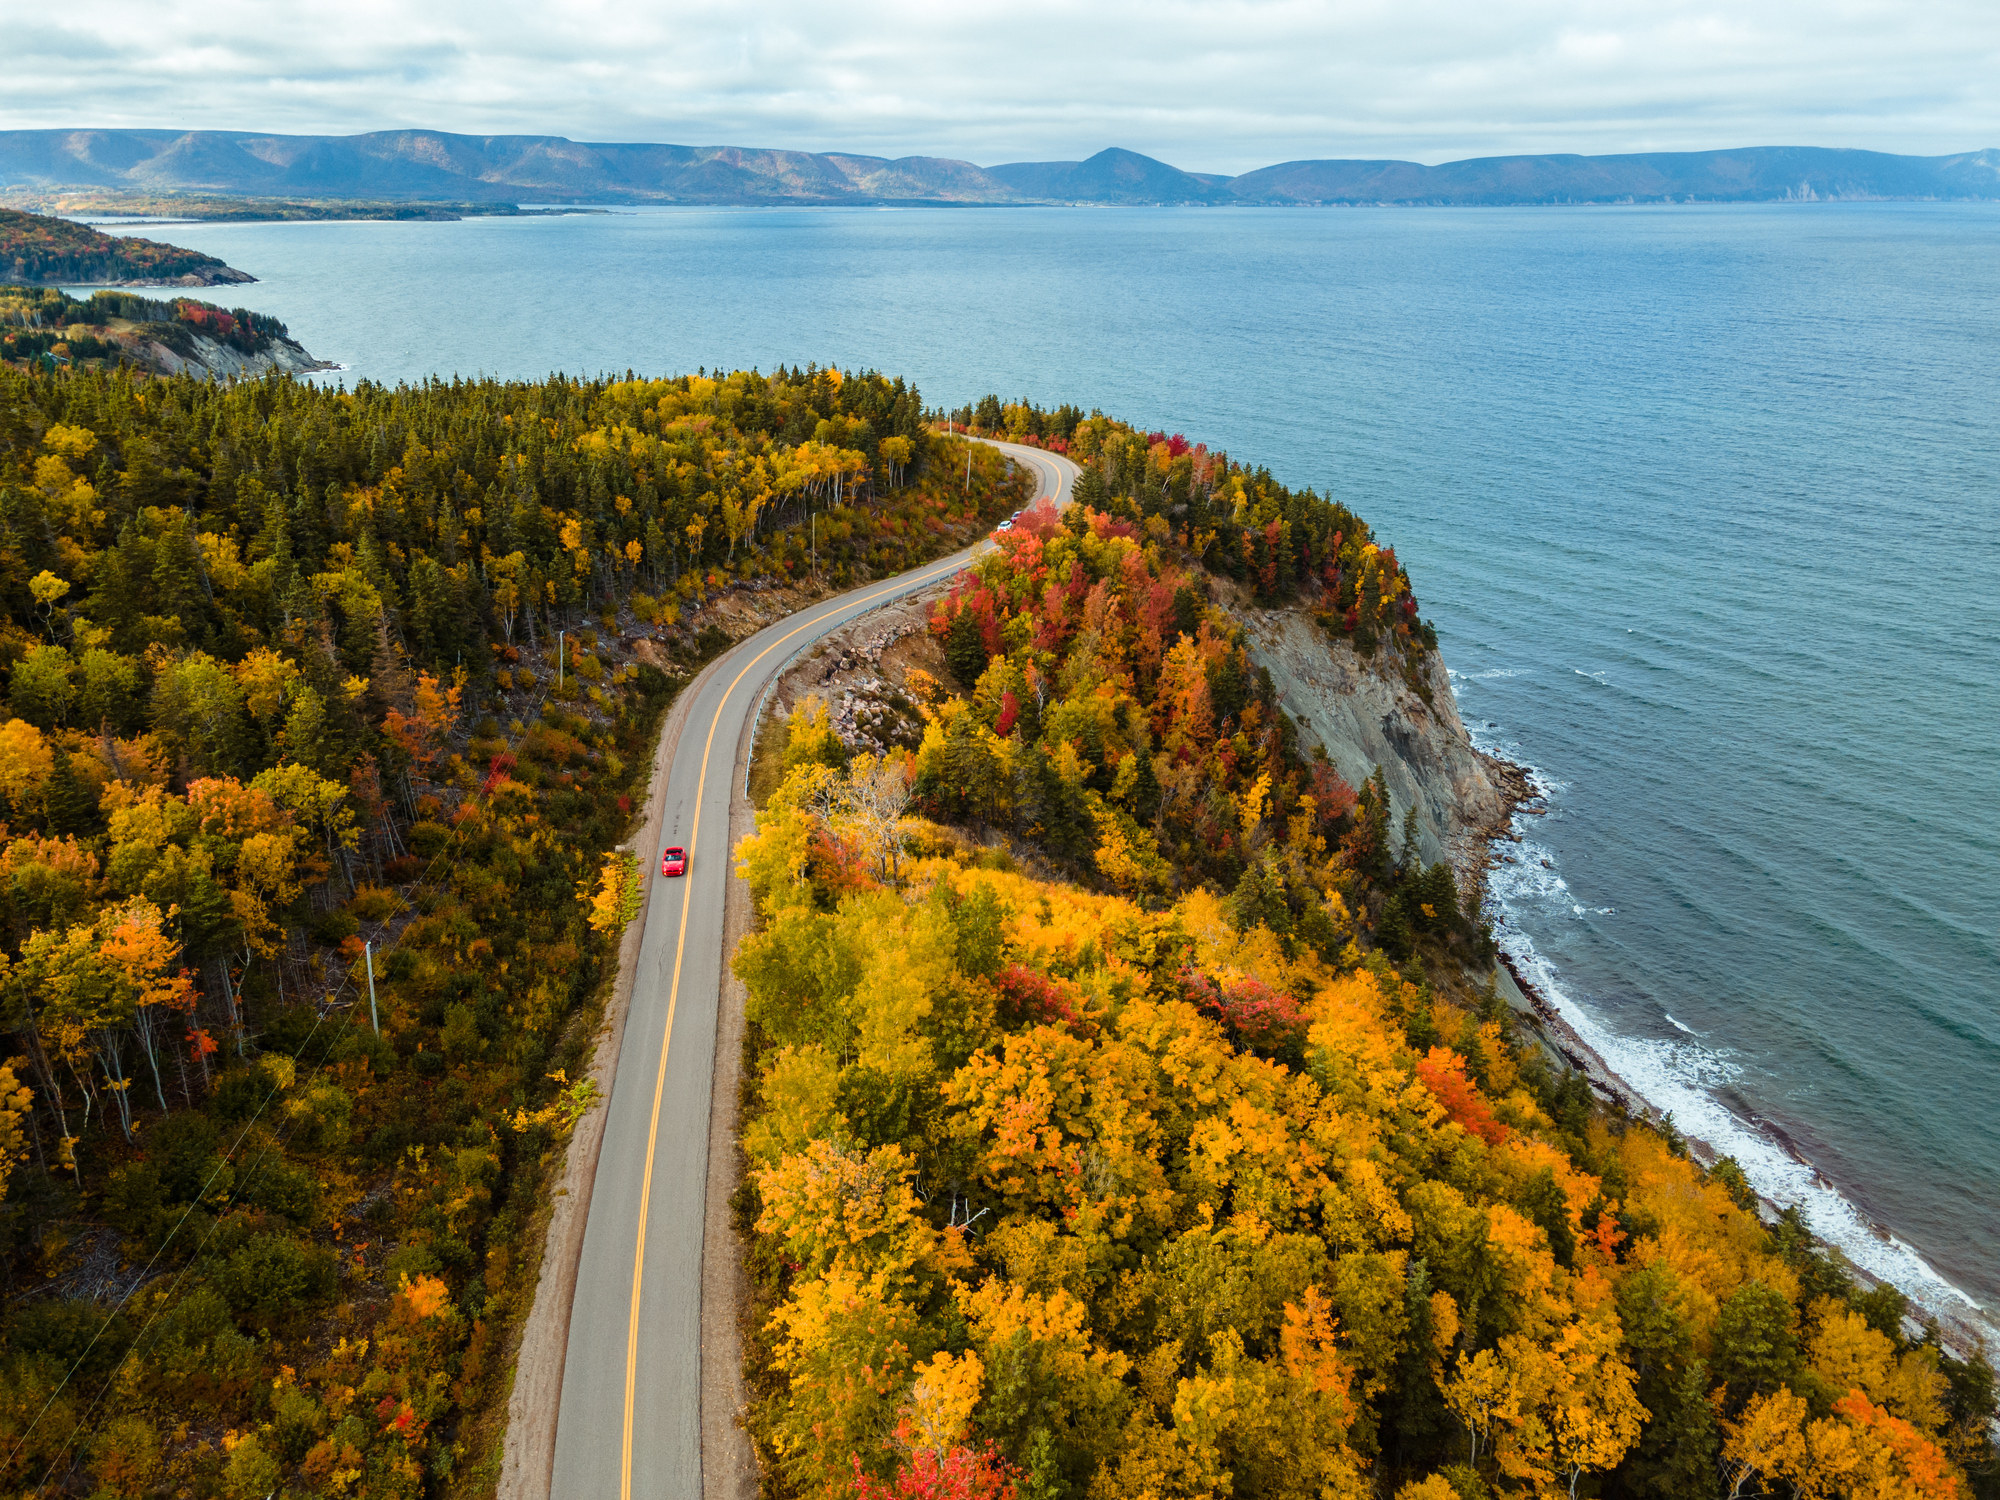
x: 862, y: 674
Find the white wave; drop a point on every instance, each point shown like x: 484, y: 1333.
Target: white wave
x: 1597, y: 677
x: 1681, y: 1078
x: 1671, y: 1021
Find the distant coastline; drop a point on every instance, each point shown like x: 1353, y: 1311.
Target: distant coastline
x: 121, y: 208
x: 429, y: 174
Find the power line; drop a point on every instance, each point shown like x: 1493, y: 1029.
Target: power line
x: 325, y: 1007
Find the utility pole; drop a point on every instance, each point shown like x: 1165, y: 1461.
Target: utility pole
x: 368, y: 950
x: 968, y: 468
x: 559, y: 658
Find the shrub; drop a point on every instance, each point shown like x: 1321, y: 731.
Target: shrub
x: 374, y: 903
x: 272, y: 1280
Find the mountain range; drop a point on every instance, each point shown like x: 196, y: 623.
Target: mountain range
x: 418, y: 165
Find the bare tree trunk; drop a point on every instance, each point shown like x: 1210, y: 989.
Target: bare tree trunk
x: 142, y: 1026
x: 52, y: 1091
x: 187, y: 1092
x: 229, y: 999
x: 114, y: 1069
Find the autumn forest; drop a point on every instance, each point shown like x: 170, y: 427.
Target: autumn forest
x: 1214, y: 1165
x: 304, y: 881
x: 1131, y: 1112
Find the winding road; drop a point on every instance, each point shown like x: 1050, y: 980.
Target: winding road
x: 629, y: 1423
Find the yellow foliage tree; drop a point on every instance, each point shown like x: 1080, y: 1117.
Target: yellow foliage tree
x: 1859, y: 1452
x: 616, y: 897
x: 16, y: 1098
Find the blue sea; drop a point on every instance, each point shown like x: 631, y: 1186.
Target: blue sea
x: 1705, y: 503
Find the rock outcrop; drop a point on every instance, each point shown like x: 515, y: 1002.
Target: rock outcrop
x: 1365, y: 715
x: 221, y: 361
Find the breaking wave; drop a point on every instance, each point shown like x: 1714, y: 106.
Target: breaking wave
x: 1679, y: 1076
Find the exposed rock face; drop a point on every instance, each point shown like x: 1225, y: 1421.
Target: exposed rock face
x: 1365, y: 715
x: 858, y: 668
x: 221, y: 275
x: 222, y: 362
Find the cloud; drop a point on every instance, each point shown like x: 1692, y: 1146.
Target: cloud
x: 1215, y: 87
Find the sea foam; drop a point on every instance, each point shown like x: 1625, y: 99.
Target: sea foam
x: 1680, y: 1077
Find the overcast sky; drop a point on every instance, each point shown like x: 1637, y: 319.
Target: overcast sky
x: 1216, y: 87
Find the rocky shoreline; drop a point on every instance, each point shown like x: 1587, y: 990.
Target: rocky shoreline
x: 219, y: 276
x: 1519, y: 795
x: 1565, y: 1047
x: 220, y: 361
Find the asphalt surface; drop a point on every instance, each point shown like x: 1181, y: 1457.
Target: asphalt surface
x: 630, y: 1420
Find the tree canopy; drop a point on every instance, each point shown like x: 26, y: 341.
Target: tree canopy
x: 1213, y: 1165
x: 309, y: 876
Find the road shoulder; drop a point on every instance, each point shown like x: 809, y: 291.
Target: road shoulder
x: 728, y: 1458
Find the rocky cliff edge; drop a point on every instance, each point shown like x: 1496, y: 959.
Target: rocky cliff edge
x: 1365, y: 714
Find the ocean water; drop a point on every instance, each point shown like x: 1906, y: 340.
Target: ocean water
x: 1704, y: 501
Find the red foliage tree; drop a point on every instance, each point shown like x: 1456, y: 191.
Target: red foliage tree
x: 960, y: 1473
x: 1443, y: 1073
x: 1031, y: 999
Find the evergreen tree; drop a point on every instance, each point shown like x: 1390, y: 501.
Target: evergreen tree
x: 1756, y: 1343
x: 965, y: 647
x: 1674, y: 1458
x: 69, y: 806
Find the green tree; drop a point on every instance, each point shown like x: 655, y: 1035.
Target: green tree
x: 965, y: 647
x: 43, y: 690
x: 1756, y: 1343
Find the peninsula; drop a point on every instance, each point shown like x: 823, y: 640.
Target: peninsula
x: 39, y: 250
x: 112, y: 330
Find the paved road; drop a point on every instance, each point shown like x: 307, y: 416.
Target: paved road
x: 630, y: 1420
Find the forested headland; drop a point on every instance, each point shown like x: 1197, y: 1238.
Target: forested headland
x: 1133, y: 1116
x: 283, y: 707
x: 38, y: 250
x: 49, y: 327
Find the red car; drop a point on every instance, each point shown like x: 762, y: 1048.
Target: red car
x: 674, y: 862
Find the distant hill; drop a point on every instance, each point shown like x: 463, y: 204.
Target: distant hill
x: 1114, y: 176
x: 1755, y: 174
x: 39, y: 251
x: 426, y: 165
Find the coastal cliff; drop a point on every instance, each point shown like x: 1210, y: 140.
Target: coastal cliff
x: 1364, y: 714
x: 206, y: 357
x: 1158, y: 870
x: 47, y: 327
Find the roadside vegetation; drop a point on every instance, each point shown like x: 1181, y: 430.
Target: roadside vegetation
x: 1205, y: 1162
x: 284, y: 704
